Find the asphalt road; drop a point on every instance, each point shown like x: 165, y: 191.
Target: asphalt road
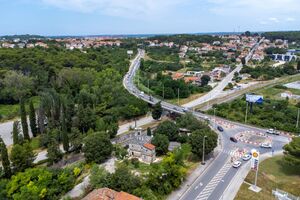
x: 214, y: 181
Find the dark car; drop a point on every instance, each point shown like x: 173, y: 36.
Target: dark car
x: 233, y: 139
x: 220, y: 128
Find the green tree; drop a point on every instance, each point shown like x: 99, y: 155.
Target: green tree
x: 99, y: 177
x: 196, y: 141
x: 54, y: 153
x: 76, y: 140
x: 292, y: 152
x: 32, y: 119
x: 243, y: 60
x: 24, y: 120
x: 169, y: 129
x: 17, y: 137
x: 97, y: 147
x: 86, y: 118
x: 157, y: 111
x: 4, y: 159
x: 190, y: 122
x: 124, y: 180
x: 64, y: 133
x: 22, y: 157
x: 205, y: 80
x: 298, y: 65
x: 120, y: 152
x: 161, y: 143
x: 18, y: 85
x: 149, y: 132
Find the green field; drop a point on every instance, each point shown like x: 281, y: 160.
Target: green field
x: 273, y: 173
x: 8, y: 112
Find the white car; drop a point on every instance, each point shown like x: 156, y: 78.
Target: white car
x: 272, y: 131
x: 266, y: 145
x: 237, y: 164
x: 246, y: 157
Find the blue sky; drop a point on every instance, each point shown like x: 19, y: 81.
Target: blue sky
x: 87, y: 17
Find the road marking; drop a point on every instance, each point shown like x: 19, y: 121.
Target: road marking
x: 209, y: 188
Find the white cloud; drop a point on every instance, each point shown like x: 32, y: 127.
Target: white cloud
x: 129, y: 8
x: 252, y: 7
x: 274, y: 19
x: 290, y: 19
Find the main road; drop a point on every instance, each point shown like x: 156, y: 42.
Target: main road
x: 214, y: 181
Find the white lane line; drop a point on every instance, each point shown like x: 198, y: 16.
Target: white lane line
x: 209, y: 188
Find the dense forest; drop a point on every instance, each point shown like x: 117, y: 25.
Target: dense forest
x: 284, y: 35
x: 91, y: 78
x: 184, y: 38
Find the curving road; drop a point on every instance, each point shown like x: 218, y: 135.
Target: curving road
x: 213, y: 182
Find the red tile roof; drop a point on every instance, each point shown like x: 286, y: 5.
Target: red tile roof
x: 109, y: 194
x: 149, y: 146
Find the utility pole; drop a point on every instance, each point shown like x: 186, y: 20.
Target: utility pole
x: 178, y: 96
x: 203, y: 146
x: 297, y: 124
x: 246, y: 112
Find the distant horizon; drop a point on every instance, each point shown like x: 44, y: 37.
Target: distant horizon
x: 145, y: 34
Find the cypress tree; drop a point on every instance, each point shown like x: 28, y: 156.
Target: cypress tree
x: 16, y: 133
x: 24, y: 120
x: 32, y: 119
x: 4, y: 159
x: 65, y: 138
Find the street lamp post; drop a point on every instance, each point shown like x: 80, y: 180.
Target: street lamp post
x: 246, y: 112
x: 148, y: 88
x: 203, y: 150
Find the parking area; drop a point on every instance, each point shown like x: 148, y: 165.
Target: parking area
x: 253, y: 137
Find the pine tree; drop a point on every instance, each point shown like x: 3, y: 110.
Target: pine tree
x: 24, y: 120
x: 17, y: 139
x: 4, y: 159
x: 32, y: 119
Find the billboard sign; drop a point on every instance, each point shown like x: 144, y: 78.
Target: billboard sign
x: 254, y: 159
x: 251, y: 98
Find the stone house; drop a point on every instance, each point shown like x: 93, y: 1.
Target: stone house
x: 141, y: 148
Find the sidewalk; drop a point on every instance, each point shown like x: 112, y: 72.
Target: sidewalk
x: 235, y: 184
x: 177, y: 194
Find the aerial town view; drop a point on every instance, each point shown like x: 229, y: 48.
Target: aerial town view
x: 150, y: 100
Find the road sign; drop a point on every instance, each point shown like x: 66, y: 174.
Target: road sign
x: 251, y: 98
x: 255, y: 159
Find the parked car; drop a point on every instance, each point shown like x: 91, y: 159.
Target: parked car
x: 233, y: 139
x: 246, y: 157
x: 236, y: 164
x: 266, y: 145
x: 272, y: 131
x: 220, y: 128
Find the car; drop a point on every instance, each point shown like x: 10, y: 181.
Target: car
x: 142, y: 94
x: 185, y: 109
x: 236, y: 164
x: 272, y: 131
x: 233, y: 139
x: 220, y: 128
x: 266, y: 145
x: 246, y: 157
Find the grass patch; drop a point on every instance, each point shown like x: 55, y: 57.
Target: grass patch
x: 8, y: 112
x: 273, y: 173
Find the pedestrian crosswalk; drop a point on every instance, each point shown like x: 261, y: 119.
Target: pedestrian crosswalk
x: 210, y: 187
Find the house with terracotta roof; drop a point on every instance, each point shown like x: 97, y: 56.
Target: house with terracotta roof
x: 109, y: 194
x: 141, y: 148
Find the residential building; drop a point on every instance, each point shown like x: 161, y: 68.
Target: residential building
x: 109, y: 194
